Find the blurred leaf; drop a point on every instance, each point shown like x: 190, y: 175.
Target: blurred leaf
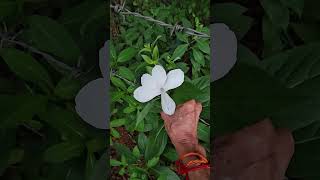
x: 50, y: 36
x: 62, y: 152
x: 90, y: 163
x: 136, y: 152
x: 99, y: 171
x: 25, y: 67
x: 16, y: 156
x: 166, y: 173
x: 295, y: 5
x: 277, y: 12
x: 307, y: 32
x: 152, y: 162
x: 203, y: 46
x: 186, y: 92
x: 67, y: 88
x: 271, y: 38
x: 114, y: 163
x: 231, y: 14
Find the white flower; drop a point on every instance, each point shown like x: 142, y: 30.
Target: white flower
x: 158, y: 83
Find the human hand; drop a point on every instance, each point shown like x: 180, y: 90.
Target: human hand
x: 182, y: 127
x: 255, y: 152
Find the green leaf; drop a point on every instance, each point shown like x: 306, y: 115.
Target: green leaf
x: 295, y: 5
x: 307, y: 32
x: 305, y: 160
x: 118, y: 83
x: 65, y: 123
x: 25, y: 67
x: 186, y: 92
x: 126, y: 73
x: 90, y: 163
x: 155, y: 53
x: 50, y: 36
x: 203, y: 46
x: 271, y: 38
x: 156, y: 144
x: 96, y: 144
x: 294, y: 66
x: 198, y: 57
x: 171, y: 154
x: 113, y: 52
x: 141, y: 115
x: 16, y: 156
x: 277, y: 12
x: 125, y: 151
x: 126, y: 55
x: 179, y: 51
x: 231, y: 14
x: 67, y: 88
x: 114, y: 162
x: 147, y: 59
x: 204, y: 132
x: 182, y: 37
x: 115, y: 133
x: 118, y: 122
x: 152, y: 162
x: 166, y: 173
x: 136, y: 152
x: 7, y: 8
x: 142, y: 141
x: 62, y: 152
x: 99, y: 171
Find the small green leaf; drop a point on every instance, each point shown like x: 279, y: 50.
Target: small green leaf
x: 156, y: 144
x: 142, y: 141
x: 117, y: 122
x: 152, y: 162
x: 198, y: 57
x: 90, y: 164
x: 203, y: 46
x: 16, y: 156
x: 155, y: 53
x: 141, y: 115
x: 136, y: 152
x: 182, y: 37
x: 204, y: 132
x: 114, y: 162
x: 115, y: 133
x: 64, y: 151
x: 113, y: 52
x: 126, y: 73
x: 147, y: 59
x: 179, y: 51
x: 118, y: 83
x: 126, y: 55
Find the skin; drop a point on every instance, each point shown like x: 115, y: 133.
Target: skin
x: 256, y: 152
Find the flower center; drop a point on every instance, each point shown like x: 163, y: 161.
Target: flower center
x: 162, y: 90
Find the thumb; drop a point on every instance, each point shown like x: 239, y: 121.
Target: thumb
x: 165, y: 117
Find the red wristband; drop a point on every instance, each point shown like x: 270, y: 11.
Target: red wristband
x: 183, y: 169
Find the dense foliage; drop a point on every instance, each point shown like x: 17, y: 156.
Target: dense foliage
x: 142, y: 148
x: 276, y: 76
x: 48, y: 51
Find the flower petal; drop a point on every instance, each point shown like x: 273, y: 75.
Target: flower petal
x: 145, y: 94
x: 92, y: 104
x: 148, y: 81
x: 174, y: 79
x: 159, y: 75
x: 167, y: 103
x: 223, y: 50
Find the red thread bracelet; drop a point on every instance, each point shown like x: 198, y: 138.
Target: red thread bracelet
x: 184, y: 170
